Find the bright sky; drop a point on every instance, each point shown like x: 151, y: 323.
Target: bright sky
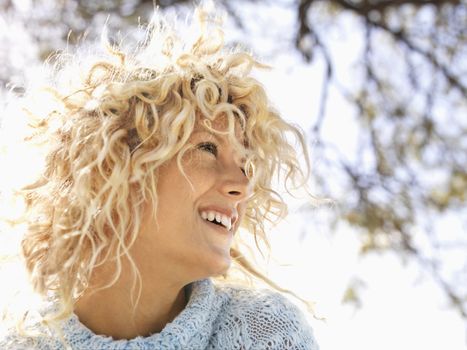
x: 402, y: 308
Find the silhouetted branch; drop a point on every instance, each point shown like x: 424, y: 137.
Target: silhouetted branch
x: 365, y: 7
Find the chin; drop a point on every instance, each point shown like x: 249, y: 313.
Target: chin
x: 222, y: 270
x: 218, y: 266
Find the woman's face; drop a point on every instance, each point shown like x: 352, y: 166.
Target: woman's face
x: 192, y: 231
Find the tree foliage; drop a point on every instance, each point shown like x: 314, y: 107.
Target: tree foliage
x: 408, y: 98
x: 410, y: 167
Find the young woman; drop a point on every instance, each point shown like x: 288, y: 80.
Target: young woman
x: 153, y: 159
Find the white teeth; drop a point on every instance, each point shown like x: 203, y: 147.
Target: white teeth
x: 218, y: 217
x: 226, y: 222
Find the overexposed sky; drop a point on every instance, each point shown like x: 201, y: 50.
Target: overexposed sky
x: 402, y: 307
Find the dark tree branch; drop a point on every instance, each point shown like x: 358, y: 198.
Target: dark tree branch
x: 366, y: 7
x: 304, y: 31
x: 400, y: 36
x: 324, y: 95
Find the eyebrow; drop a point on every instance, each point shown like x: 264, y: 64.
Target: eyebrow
x: 217, y: 137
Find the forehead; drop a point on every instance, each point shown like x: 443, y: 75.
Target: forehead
x: 221, y: 124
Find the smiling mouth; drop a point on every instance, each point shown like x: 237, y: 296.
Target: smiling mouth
x: 217, y: 226
x: 216, y: 223
x: 217, y: 219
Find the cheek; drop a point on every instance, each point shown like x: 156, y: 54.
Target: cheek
x: 198, y: 175
x: 202, y: 173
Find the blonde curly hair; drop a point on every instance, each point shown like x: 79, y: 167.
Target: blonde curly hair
x: 113, y: 120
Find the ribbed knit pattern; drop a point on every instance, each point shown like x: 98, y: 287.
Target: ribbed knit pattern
x: 224, y: 317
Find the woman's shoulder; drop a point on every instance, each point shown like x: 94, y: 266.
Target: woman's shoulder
x: 253, y: 299
x: 10, y: 339
x: 271, y: 320
x: 27, y: 332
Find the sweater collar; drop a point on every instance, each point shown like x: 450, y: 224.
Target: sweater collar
x: 200, y: 312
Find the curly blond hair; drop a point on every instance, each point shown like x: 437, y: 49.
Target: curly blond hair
x: 113, y: 120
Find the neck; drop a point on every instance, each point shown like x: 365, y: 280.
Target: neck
x: 109, y: 311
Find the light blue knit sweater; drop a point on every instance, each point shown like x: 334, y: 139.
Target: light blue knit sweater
x: 215, y: 318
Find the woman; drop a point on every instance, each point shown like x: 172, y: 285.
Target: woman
x: 152, y: 162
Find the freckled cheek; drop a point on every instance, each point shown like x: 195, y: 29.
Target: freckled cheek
x: 200, y: 167
x: 201, y: 176
x: 205, y: 178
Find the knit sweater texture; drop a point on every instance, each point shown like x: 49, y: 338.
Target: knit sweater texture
x: 216, y: 317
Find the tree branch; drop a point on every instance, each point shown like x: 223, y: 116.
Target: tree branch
x: 365, y: 7
x: 399, y: 36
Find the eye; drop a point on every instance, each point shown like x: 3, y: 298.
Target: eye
x: 243, y: 171
x: 208, y: 147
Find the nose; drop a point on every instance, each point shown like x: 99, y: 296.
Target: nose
x: 235, y: 184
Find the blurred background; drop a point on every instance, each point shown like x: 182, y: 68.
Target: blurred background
x: 380, y: 89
